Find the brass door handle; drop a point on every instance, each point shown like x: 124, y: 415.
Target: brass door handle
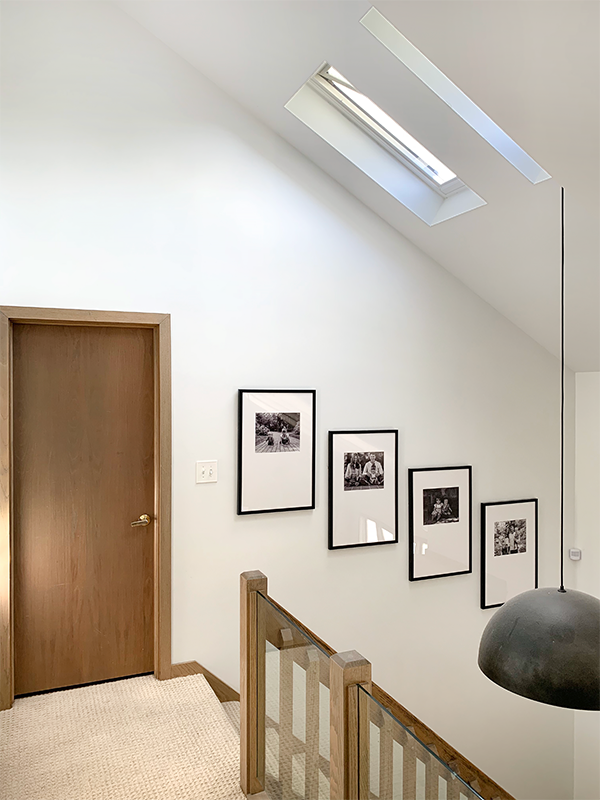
x: 142, y: 521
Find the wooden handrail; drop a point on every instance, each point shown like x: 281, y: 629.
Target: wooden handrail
x: 317, y: 639
x: 464, y: 768
x: 472, y: 775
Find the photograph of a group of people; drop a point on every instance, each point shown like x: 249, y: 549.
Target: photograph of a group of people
x: 510, y: 537
x: 440, y: 505
x: 277, y: 433
x: 363, y: 471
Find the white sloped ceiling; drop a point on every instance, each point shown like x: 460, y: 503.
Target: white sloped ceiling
x: 533, y: 67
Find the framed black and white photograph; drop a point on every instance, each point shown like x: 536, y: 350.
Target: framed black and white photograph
x: 509, y: 560
x: 276, y: 450
x: 439, y: 522
x: 363, y: 488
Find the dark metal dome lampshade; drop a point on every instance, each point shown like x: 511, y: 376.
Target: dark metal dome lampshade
x: 545, y: 643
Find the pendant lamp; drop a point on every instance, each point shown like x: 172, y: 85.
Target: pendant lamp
x: 545, y: 643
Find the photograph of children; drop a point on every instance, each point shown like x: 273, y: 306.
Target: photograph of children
x: 510, y: 537
x: 440, y: 505
x: 276, y: 433
x: 363, y: 471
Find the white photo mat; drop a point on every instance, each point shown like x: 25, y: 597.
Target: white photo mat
x: 509, y: 561
x: 365, y: 511
x: 273, y: 476
x: 439, y: 522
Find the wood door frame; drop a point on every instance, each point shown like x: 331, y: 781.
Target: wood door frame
x: 161, y: 327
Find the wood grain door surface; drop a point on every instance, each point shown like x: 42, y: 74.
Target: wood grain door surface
x: 83, y: 471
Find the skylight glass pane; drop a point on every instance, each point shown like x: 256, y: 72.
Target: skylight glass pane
x: 409, y: 146
x: 412, y: 58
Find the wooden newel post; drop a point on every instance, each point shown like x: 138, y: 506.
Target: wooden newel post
x: 346, y: 671
x: 252, y: 684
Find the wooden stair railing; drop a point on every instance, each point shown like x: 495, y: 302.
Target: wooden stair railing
x: 345, y: 672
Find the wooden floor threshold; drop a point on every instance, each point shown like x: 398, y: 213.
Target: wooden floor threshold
x: 224, y: 692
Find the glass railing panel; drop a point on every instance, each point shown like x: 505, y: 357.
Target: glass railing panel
x: 296, y: 708
x: 395, y: 765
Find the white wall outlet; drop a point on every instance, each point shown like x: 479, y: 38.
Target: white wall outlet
x: 206, y: 471
x: 575, y: 554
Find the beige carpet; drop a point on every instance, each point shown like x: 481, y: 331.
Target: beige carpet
x: 136, y: 739
x: 232, y: 710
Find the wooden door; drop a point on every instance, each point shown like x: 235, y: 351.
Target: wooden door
x: 83, y: 400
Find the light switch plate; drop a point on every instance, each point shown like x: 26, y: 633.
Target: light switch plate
x: 575, y: 554
x: 206, y: 471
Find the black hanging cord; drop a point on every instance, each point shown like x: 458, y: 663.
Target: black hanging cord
x: 562, y: 392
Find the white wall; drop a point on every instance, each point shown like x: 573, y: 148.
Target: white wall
x: 130, y: 183
x: 587, y: 571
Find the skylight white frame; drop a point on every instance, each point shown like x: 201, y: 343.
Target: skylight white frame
x: 377, y: 131
x: 392, y: 174
x: 412, y: 58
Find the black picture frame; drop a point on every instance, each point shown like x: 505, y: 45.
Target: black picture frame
x: 363, y: 488
x: 509, y: 550
x: 277, y: 437
x: 439, y: 522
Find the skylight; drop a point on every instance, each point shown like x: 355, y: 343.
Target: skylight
x: 412, y: 58
x: 359, y: 130
x: 386, y: 130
